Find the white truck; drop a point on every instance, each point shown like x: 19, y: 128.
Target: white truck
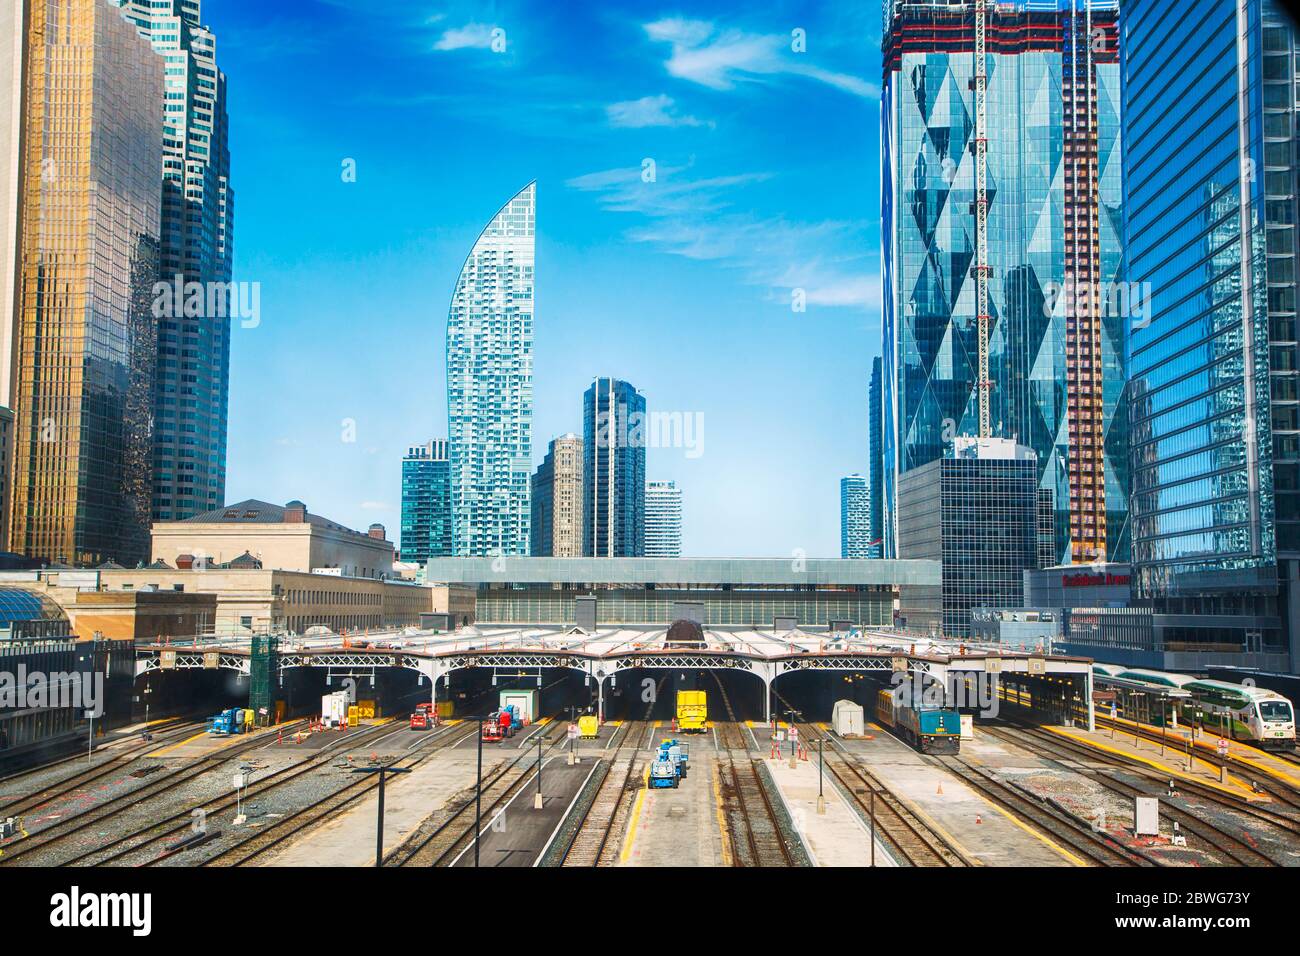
x: 334, y: 709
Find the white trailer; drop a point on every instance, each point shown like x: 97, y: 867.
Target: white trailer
x: 847, y: 719
x: 334, y: 709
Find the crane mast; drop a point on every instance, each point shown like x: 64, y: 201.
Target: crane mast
x: 981, y: 220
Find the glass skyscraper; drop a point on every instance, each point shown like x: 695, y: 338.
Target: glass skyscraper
x: 426, y: 503
x: 490, y: 386
x: 663, y: 520
x: 1210, y: 168
x: 1053, y: 193
x: 84, y: 337
x: 192, y: 383
x: 613, y: 470
x: 855, y: 517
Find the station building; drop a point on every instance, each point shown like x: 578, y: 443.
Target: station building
x: 716, y: 591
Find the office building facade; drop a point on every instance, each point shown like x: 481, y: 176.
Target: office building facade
x: 855, y: 517
x: 490, y: 385
x: 557, y: 500
x: 192, y: 379
x: 1052, y: 251
x: 876, y: 465
x: 613, y: 470
x: 663, y: 520
x: 975, y: 512
x: 84, y: 339
x: 1210, y: 170
x: 426, y: 502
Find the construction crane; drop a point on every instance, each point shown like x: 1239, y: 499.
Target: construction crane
x: 981, y: 220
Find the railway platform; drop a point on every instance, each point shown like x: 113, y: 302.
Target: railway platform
x: 682, y: 826
x: 1244, y: 756
x: 1172, y: 762
x: 838, y: 837
x: 985, y: 834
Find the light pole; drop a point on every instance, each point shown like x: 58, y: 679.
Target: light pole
x: 821, y: 766
x: 379, y: 832
x: 873, y: 825
x: 537, y: 800
x: 478, y: 794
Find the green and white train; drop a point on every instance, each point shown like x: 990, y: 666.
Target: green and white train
x: 1240, y: 711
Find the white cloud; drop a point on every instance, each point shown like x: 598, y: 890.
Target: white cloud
x: 375, y: 506
x: 472, y: 36
x: 828, y: 260
x: 719, y: 59
x: 658, y: 110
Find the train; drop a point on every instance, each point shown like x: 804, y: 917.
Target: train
x: 1247, y: 713
x: 931, y: 730
x: 692, y: 711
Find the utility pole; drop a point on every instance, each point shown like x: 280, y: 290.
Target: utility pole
x: 537, y: 800
x: 379, y: 831
x: 478, y: 794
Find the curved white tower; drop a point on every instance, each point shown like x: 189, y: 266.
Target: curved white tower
x: 490, y: 386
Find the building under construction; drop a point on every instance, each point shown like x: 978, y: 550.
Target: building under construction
x: 1003, y: 311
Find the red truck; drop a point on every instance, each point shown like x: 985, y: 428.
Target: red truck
x: 420, y: 720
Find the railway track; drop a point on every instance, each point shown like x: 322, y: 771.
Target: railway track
x: 292, y: 825
x: 88, y: 773
x: 456, y: 833
x: 757, y: 834
x: 910, y: 840
x: 609, y: 810
x: 1216, y: 839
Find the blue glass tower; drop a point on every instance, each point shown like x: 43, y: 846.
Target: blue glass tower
x: 426, y: 503
x: 1211, y: 192
x: 1052, y: 195
x: 855, y: 517
x: 613, y: 470
x: 490, y: 386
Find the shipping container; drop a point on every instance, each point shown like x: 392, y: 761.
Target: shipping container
x: 847, y: 719
x: 524, y: 700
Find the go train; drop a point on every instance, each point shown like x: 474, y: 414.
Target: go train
x: 931, y: 730
x: 1240, y: 711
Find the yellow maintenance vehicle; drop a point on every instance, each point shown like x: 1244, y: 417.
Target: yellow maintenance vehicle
x: 692, y: 711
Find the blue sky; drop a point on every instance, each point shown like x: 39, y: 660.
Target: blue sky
x: 766, y: 181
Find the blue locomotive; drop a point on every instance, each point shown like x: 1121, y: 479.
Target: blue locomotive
x: 931, y: 730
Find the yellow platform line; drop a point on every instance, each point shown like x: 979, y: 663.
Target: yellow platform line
x: 1235, y: 748
x: 636, y: 816
x: 159, y: 753
x: 1163, y: 768
x: 1074, y: 860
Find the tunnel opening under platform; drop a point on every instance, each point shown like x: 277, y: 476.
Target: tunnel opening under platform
x: 650, y: 693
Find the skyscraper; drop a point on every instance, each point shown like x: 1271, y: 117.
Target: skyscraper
x: 1210, y: 154
x: 663, y: 520
x: 490, y: 385
x: 426, y: 503
x: 855, y: 517
x: 1001, y: 251
x: 86, y: 250
x: 613, y: 472
x: 875, y: 465
x: 192, y: 382
x: 557, y: 500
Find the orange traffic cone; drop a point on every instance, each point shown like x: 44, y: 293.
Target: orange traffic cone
x: 939, y: 789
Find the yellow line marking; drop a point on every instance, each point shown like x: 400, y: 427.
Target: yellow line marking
x: 202, y: 733
x: 1163, y: 768
x: 722, y: 817
x: 657, y: 723
x: 1208, y: 742
x: 1074, y: 860
x: 636, y: 816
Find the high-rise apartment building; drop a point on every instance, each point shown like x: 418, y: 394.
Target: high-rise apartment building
x: 490, y: 385
x: 613, y: 470
x: 1211, y: 183
x: 875, y: 465
x: 85, y: 254
x: 557, y: 500
x: 855, y: 517
x: 426, y: 503
x: 192, y: 381
x: 663, y: 520
x: 1001, y: 205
